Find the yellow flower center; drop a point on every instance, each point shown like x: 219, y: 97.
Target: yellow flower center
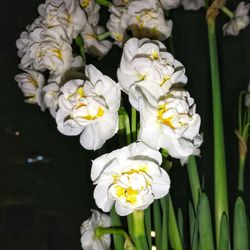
x: 168, y: 121
x: 84, y: 3
x: 129, y: 194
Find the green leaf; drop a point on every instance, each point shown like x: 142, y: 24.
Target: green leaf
x: 174, y: 234
x: 164, y: 206
x: 148, y: 226
x: 157, y: 223
x: 240, y: 226
x: 116, y: 221
x: 124, y: 126
x: 180, y: 223
x: 205, y: 223
x: 224, y: 243
x: 192, y: 222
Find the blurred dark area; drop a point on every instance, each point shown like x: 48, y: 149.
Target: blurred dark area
x: 45, y: 186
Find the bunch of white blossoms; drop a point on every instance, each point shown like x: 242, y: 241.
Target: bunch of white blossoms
x: 153, y: 79
x: 46, y: 46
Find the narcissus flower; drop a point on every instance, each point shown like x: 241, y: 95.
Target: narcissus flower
x: 67, y: 14
x: 192, y: 4
x: 89, y: 108
x: 89, y: 240
x: 146, y: 19
x: 171, y: 123
x: 92, y: 10
x: 31, y: 83
x: 239, y: 21
x: 130, y: 178
x: 146, y: 67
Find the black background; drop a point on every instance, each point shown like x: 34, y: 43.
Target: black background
x: 42, y: 205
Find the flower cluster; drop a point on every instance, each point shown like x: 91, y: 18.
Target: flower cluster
x: 154, y: 81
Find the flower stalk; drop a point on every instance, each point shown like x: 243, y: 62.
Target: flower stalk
x: 227, y: 12
x: 139, y: 230
x: 104, y: 3
x: 220, y: 180
x: 80, y: 43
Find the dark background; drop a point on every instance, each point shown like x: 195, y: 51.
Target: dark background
x: 43, y: 204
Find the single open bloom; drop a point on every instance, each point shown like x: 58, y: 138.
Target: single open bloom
x: 89, y: 240
x: 89, y: 108
x: 130, y: 178
x: 171, y: 123
x: 239, y: 21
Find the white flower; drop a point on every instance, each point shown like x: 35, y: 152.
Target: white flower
x: 192, y: 4
x: 239, y: 21
x: 121, y: 2
x: 169, y: 4
x: 89, y: 108
x: 51, y: 93
x: 31, y: 84
x: 89, y: 240
x: 67, y: 14
x: 55, y: 56
x: 116, y: 25
x: 146, y: 19
x: 130, y: 177
x: 247, y: 97
x: 171, y: 123
x: 92, y: 45
x: 147, y: 67
x: 92, y: 10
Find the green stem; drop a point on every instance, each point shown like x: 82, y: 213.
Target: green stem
x: 104, y: 3
x: 194, y: 180
x: 133, y: 124
x: 103, y: 36
x: 227, y: 12
x: 241, y: 173
x: 220, y: 182
x: 80, y: 43
x: 115, y: 231
x: 139, y: 230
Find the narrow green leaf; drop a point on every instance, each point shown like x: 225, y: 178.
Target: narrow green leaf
x: 180, y: 224
x: 224, y: 243
x: 205, y: 223
x: 195, y: 241
x: 148, y: 226
x: 240, y: 226
x: 116, y: 221
x: 191, y: 223
x: 164, y: 206
x: 157, y: 223
x: 174, y: 234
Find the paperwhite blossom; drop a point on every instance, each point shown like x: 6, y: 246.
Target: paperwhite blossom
x: 67, y: 14
x: 146, y: 19
x: 92, y: 45
x: 89, y: 240
x: 169, y: 4
x: 239, y: 21
x: 130, y: 178
x: 31, y: 83
x: 192, y: 4
x: 116, y: 25
x: 171, y: 123
x: 247, y: 97
x: 92, y: 10
x: 89, y: 108
x: 51, y: 93
x: 147, y: 68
